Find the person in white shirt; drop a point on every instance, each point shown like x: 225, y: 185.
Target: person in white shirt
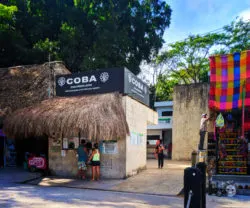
x: 203, y: 130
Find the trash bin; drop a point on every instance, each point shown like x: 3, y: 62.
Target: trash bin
x: 192, y: 188
x: 202, y: 167
x: 194, y: 158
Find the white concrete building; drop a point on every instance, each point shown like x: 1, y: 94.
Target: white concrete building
x: 162, y: 130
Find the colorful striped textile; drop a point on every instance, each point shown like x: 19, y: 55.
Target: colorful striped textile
x: 229, y: 77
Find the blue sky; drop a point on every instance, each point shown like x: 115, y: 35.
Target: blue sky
x: 201, y: 16
x: 198, y: 17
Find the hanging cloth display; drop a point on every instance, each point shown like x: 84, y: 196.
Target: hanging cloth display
x: 229, y: 74
x: 219, y: 121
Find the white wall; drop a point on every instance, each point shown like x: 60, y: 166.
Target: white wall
x: 137, y: 116
x: 162, y: 109
x: 152, y: 117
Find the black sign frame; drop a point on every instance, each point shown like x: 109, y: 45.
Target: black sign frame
x: 102, y: 81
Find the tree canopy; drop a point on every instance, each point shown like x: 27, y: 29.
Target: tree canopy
x: 85, y: 34
x: 186, y: 61
x: 236, y: 37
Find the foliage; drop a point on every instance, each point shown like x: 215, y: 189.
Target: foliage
x: 48, y: 47
x: 84, y: 34
x: 237, y: 36
x: 187, y: 61
x: 164, y: 87
x: 152, y: 96
x: 7, y: 11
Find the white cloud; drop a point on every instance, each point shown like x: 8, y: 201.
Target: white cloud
x: 245, y: 15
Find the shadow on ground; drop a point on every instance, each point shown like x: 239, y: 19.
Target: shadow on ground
x: 166, y: 181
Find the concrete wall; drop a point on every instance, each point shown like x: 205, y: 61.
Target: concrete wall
x: 137, y: 116
x: 190, y: 101
x: 152, y: 116
x: 112, y: 165
x: 61, y: 165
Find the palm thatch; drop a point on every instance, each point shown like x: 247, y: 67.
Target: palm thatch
x: 94, y: 117
x: 23, y: 86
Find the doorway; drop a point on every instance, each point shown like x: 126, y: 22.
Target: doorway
x: 35, y: 145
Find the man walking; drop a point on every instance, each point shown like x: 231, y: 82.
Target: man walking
x: 159, y: 151
x: 203, y: 130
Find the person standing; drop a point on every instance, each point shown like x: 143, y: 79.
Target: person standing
x: 203, y: 130
x: 160, y: 154
x: 95, y: 162
x: 82, y: 159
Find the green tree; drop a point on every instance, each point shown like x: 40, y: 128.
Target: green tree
x: 236, y: 36
x: 85, y: 34
x: 152, y: 96
x: 164, y: 87
x: 188, y: 60
x: 6, y: 15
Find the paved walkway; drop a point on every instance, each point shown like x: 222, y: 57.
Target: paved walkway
x: 23, y: 196
x: 166, y: 181
x: 16, y: 175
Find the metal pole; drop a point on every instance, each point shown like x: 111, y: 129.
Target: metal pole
x: 189, y: 198
x: 243, y: 110
x: 49, y: 89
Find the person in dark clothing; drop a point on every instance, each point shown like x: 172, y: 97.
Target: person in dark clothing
x: 82, y: 154
x: 89, y: 146
x: 159, y: 151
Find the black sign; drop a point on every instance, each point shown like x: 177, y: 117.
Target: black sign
x: 102, y: 81
x: 93, y: 82
x: 134, y: 87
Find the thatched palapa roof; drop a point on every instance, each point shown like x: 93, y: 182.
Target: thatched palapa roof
x: 95, y: 117
x: 23, y: 86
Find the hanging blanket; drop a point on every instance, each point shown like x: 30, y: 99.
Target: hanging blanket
x: 229, y: 78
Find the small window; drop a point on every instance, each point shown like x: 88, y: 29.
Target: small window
x: 109, y: 147
x: 167, y: 113
x: 70, y: 143
x: 152, y: 139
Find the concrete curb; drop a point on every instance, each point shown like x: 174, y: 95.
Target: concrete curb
x: 110, y: 190
x: 29, y: 180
